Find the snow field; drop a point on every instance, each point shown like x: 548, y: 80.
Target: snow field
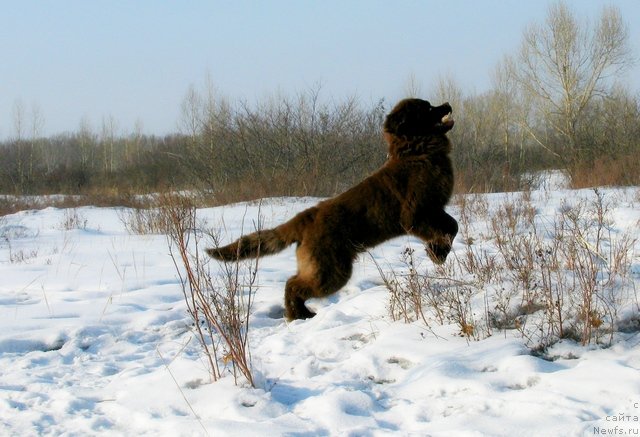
x: 95, y: 340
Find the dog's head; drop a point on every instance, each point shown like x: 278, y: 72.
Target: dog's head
x: 417, y: 118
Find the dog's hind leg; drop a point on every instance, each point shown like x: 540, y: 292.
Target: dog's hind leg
x: 302, y: 286
x: 296, y: 292
x: 316, y: 278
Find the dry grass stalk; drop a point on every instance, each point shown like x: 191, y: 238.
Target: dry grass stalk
x: 219, y: 308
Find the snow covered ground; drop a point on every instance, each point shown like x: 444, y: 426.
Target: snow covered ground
x: 95, y: 340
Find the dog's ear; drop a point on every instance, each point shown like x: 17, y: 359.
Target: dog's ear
x: 406, y: 116
x: 394, y: 122
x: 397, y: 121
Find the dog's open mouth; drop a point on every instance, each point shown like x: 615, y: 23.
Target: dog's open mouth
x: 447, y: 121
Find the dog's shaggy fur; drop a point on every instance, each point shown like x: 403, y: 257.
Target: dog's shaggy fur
x: 407, y: 195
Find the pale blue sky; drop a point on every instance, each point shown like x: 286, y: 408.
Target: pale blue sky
x: 134, y: 60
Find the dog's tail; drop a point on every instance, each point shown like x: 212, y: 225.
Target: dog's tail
x: 265, y: 242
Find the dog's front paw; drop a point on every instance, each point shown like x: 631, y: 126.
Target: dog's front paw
x: 438, y: 252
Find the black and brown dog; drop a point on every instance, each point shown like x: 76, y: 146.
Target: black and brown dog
x: 407, y: 195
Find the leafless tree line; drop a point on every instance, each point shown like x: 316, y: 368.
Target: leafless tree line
x: 88, y: 160
x: 557, y: 102
x: 283, y: 146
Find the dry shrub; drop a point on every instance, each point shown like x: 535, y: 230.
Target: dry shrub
x: 567, y: 278
x: 435, y: 297
x: 406, y: 290
x: 147, y: 216
x: 73, y: 219
x: 611, y: 171
x: 10, y: 204
x: 219, y: 305
x: 144, y: 221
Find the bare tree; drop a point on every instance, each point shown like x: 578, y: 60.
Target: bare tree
x: 18, y: 119
x: 108, y: 139
x: 197, y: 115
x: 133, y: 144
x: 87, y: 143
x: 36, y: 143
x: 564, y: 65
x: 191, y: 110
x: 413, y: 87
x: 19, y: 128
